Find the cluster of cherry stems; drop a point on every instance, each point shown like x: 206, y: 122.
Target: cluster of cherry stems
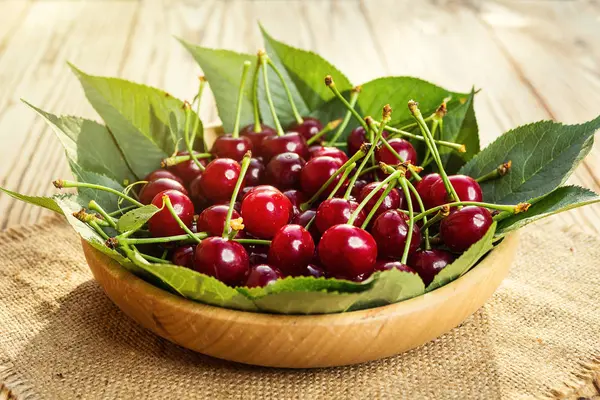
x: 275, y: 203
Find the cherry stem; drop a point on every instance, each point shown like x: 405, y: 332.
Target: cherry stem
x: 253, y: 241
x: 198, y: 99
x: 370, y: 169
x: 170, y: 161
x: 422, y: 209
x: 263, y: 60
x: 238, y: 108
x: 328, y: 128
x: 342, y: 179
x: 499, y: 172
x: 154, y: 259
x: 287, y: 90
x: 376, y: 189
x: 331, y: 85
x: 92, y: 205
x: 61, y: 183
x: 353, y: 99
x: 188, y: 139
x: 122, y: 239
x: 236, y: 190
x: 306, y: 205
x: 414, y: 109
x: 414, y: 171
x: 519, y: 208
x: 121, y: 211
x: 434, y: 126
x: 461, y: 148
x: 411, y: 220
x: 167, y: 202
x: 441, y: 214
x: 387, y: 191
x: 98, y: 229
x: 255, y: 110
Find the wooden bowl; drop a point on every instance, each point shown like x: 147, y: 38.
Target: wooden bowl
x: 302, y: 341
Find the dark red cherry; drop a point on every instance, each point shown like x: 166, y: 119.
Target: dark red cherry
x: 262, y: 275
x: 283, y: 171
x: 258, y: 254
x: 357, y: 137
x: 291, y: 142
x: 184, y: 256
x: 316, y: 172
x: 424, y: 189
x: 187, y: 170
x: 296, y: 197
x: 334, y: 152
x: 256, y: 172
x: 464, y: 227
x: 303, y: 218
x: 162, y: 173
x: 152, y: 188
x: 212, y: 219
x: 358, y: 186
x: 308, y: 128
x: 291, y: 250
x: 466, y: 188
x: 162, y: 223
x: 224, y: 259
x: 428, y: 263
x: 405, y: 150
x: 392, y: 201
x: 336, y: 211
x: 347, y: 251
x: 219, y: 178
x: 386, y: 265
x: 196, y: 195
x: 389, y: 231
x: 226, y: 146
x: 265, y: 212
x: 257, y: 137
x: 314, y: 270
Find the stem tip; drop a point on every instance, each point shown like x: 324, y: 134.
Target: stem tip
x: 329, y: 80
x: 522, y: 207
x: 59, y: 183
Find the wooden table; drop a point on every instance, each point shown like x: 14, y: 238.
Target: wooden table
x: 533, y: 59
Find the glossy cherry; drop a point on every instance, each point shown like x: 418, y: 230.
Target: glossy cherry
x: 283, y: 171
x: 291, y: 142
x: 464, y: 227
x: 296, y: 197
x: 224, y: 259
x: 466, y: 188
x: 303, y: 218
x: 196, y: 195
x: 212, y: 219
x: 428, y: 263
x: 336, y: 211
x: 262, y: 275
x: 390, y: 230
x: 357, y: 137
x: 386, y: 265
x: 291, y: 250
x: 219, y: 178
x: 358, y: 186
x: 226, y: 146
x: 257, y: 137
x: 392, y: 201
x: 265, y: 212
x: 316, y: 172
x: 187, y: 170
x: 259, y: 188
x: 256, y: 172
x: 152, y: 188
x: 348, y: 252
x: 184, y: 256
x: 162, y: 173
x: 162, y: 223
x: 320, y: 151
x: 405, y: 150
x: 308, y: 128
x: 424, y: 186
x: 258, y: 254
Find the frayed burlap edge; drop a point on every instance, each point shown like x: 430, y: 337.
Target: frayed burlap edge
x: 584, y: 384
x: 13, y: 387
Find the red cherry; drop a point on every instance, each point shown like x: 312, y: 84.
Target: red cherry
x: 256, y: 172
x: 464, y: 227
x: 257, y: 137
x: 260, y: 188
x: 212, y: 219
x: 291, y: 142
x: 466, y: 188
x: 262, y: 275
x: 283, y: 171
x: 196, y: 194
x: 224, y: 259
x: 357, y: 137
x: 219, y: 178
x: 292, y: 249
x: 226, y: 146
x: 303, y: 218
x: 390, y: 230
x: 258, y: 254
x: 162, y: 173
x: 184, y: 256
x: 386, y: 265
x: 358, y: 186
x: 405, y: 150
x: 187, y: 170
x: 424, y: 189
x: 162, y: 223
x: 296, y: 197
x: 347, y: 251
x: 392, y: 201
x: 428, y: 263
x: 334, y: 152
x: 336, y: 211
x: 308, y: 128
x: 316, y: 172
x: 152, y: 188
x: 265, y: 212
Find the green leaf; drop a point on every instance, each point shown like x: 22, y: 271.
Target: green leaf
x: 107, y: 200
x: 562, y: 199
x: 138, y: 118
x: 45, y: 202
x: 462, y: 264
x: 136, y: 218
x: 543, y: 155
x: 391, y: 287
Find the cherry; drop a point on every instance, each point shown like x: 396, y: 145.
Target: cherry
x: 291, y: 142
x: 186, y: 170
x: 212, y: 219
x: 347, y: 251
x: 320, y: 151
x: 357, y: 137
x: 390, y: 230
x: 227, y: 146
x: 423, y: 187
x: 466, y: 188
x: 314, y: 270
x: 162, y: 173
x: 196, y: 194
x: 292, y: 249
x: 224, y: 259
x: 258, y: 254
x: 152, y: 188
x: 464, y: 227
x: 265, y: 211
x: 428, y: 263
x: 262, y: 275
x: 296, y: 197
x: 259, y: 188
x: 405, y: 150
x: 337, y: 211
x: 184, y: 256
x: 283, y: 171
x: 257, y: 137
x: 219, y: 178
x: 358, y: 186
x: 392, y: 201
x: 386, y: 265
x: 255, y: 173
x: 308, y: 128
x: 316, y: 172
x: 162, y: 223
x: 303, y: 218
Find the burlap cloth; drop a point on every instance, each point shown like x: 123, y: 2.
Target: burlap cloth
x: 61, y: 337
